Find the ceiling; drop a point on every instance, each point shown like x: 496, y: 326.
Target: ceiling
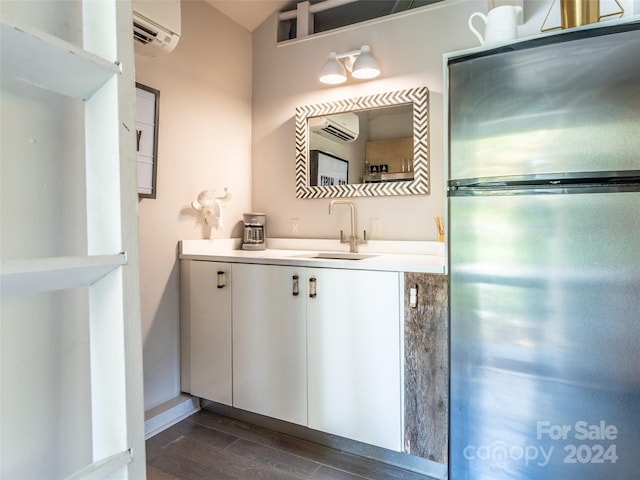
x: 248, y: 13
x: 251, y: 13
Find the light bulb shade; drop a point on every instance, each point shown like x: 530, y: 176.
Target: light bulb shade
x: 333, y: 72
x: 365, y: 65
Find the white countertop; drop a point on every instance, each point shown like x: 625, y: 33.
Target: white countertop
x: 397, y: 256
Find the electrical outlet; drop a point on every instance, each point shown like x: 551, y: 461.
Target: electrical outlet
x: 375, y: 228
x: 295, y: 227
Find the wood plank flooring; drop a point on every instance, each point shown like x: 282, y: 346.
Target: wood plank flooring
x: 207, y: 446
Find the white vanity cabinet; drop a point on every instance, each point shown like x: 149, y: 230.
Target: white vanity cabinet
x: 353, y: 355
x: 266, y: 344
x: 269, y: 341
x: 205, y: 325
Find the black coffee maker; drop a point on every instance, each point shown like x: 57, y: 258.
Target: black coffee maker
x: 254, y: 238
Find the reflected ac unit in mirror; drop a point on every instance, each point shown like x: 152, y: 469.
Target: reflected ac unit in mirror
x: 343, y: 127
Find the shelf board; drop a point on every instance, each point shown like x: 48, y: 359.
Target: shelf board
x: 19, y: 277
x: 103, y: 468
x: 41, y: 59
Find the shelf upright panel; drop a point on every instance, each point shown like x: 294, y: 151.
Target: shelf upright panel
x: 114, y: 301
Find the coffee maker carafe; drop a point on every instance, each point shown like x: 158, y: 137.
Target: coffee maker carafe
x: 254, y: 238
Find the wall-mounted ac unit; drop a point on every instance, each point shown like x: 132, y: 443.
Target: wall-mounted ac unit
x: 156, y: 26
x: 343, y: 127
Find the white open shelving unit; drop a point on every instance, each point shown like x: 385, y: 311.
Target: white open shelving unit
x: 104, y: 83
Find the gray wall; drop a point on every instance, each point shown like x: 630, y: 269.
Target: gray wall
x: 204, y: 143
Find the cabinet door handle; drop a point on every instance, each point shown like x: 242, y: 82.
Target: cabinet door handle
x: 296, y: 286
x: 413, y: 297
x: 222, y: 280
x: 312, y: 287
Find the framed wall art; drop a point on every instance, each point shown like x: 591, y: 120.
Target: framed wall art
x: 147, y: 108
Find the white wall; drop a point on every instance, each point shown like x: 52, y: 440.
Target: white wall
x: 409, y: 49
x: 204, y: 143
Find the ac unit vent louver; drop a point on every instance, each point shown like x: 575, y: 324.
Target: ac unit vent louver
x: 343, y: 127
x: 342, y: 135
x: 156, y: 27
x: 142, y: 34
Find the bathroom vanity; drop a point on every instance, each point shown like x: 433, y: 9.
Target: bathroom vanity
x: 320, y: 338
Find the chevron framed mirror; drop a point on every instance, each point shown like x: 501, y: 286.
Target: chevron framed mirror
x: 384, y: 138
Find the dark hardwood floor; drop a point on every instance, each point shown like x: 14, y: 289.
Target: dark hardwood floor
x: 213, y: 447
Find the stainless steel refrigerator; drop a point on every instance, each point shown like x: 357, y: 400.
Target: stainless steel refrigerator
x: 544, y: 252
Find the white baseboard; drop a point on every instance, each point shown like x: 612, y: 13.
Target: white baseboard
x: 168, y: 414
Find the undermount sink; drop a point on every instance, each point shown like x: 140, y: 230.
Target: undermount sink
x: 337, y: 256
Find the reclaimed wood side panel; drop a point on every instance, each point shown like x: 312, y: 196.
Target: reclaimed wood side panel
x: 426, y: 367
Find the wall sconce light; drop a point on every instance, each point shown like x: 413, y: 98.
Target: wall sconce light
x: 359, y: 62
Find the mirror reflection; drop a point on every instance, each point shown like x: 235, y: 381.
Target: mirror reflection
x: 364, y: 146
x: 373, y: 145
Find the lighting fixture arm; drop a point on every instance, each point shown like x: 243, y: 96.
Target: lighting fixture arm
x: 349, y: 58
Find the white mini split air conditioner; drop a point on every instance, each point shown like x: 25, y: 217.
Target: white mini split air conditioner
x: 156, y: 26
x: 340, y: 127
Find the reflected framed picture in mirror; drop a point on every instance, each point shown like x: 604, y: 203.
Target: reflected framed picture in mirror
x: 147, y: 109
x: 327, y: 169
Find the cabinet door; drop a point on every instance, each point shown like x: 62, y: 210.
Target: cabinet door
x: 353, y: 345
x: 269, y: 342
x: 206, y: 329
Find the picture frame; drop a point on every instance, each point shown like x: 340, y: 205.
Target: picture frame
x: 327, y: 169
x: 147, y: 116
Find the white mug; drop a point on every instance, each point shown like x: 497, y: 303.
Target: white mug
x: 500, y: 24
